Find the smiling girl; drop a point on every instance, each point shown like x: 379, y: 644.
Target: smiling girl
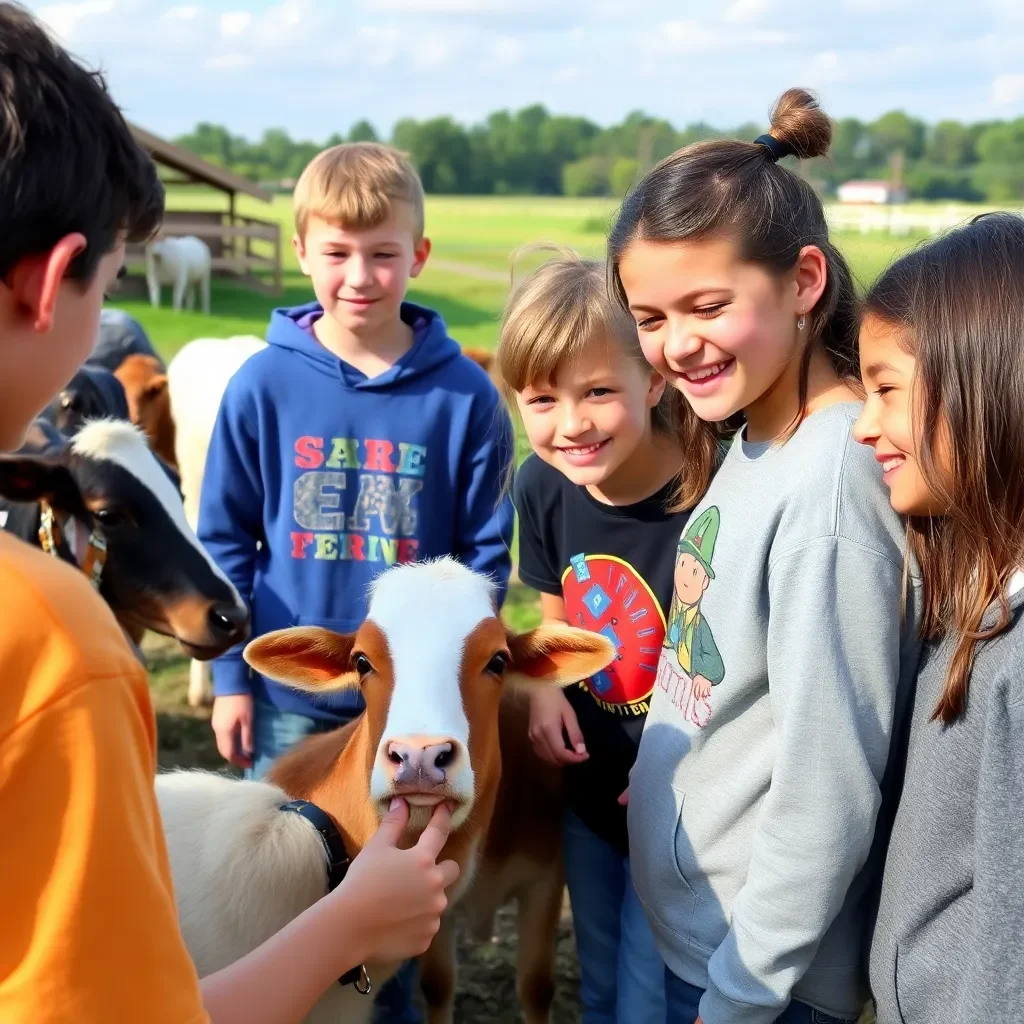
x: 941, y: 352
x: 595, y: 505
x: 753, y: 800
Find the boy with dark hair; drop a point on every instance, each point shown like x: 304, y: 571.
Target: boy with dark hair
x: 90, y: 930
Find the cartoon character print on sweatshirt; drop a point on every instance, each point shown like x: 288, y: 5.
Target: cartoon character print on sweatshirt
x: 607, y: 595
x: 690, y: 662
x: 357, y: 499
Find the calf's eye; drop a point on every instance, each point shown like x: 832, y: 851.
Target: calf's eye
x: 362, y: 664
x: 498, y: 663
x: 109, y: 517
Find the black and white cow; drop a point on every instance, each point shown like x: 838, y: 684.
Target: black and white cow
x: 102, y: 500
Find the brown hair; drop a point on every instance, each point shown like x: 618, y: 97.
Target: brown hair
x: 738, y: 189
x: 68, y: 161
x: 354, y: 184
x: 958, y: 305
x: 560, y: 311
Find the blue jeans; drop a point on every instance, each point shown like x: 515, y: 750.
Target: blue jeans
x: 273, y: 733
x: 684, y: 1006
x: 621, y: 971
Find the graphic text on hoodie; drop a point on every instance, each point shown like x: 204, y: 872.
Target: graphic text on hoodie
x: 356, y: 498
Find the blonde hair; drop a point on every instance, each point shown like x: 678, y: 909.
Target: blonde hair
x: 559, y: 312
x: 354, y: 185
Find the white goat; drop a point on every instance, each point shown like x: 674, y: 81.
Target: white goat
x: 183, y: 263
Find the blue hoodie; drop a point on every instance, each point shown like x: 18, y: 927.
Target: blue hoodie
x: 338, y: 476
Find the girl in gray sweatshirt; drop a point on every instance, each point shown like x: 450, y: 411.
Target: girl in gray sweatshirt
x: 942, y: 351
x: 786, y: 664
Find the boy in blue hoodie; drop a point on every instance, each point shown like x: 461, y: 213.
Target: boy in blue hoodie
x: 359, y: 437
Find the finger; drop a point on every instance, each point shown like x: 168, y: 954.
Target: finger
x: 246, y: 731
x: 435, y: 835
x: 624, y: 797
x: 572, y: 730
x: 393, y: 823
x: 450, y: 872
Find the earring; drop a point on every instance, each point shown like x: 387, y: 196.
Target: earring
x: 800, y: 323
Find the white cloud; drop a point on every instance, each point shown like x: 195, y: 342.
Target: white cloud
x: 378, y: 46
x: 226, y: 62
x: 188, y: 13
x: 565, y: 75
x: 1008, y: 90
x: 433, y: 51
x: 686, y: 36
x: 65, y: 18
x: 748, y: 10
x: 234, y: 23
x: 508, y: 50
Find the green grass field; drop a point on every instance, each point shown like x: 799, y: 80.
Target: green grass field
x: 468, y: 274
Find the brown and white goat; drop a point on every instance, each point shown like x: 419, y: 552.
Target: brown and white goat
x: 432, y: 659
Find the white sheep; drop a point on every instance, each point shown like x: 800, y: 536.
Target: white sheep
x: 183, y: 263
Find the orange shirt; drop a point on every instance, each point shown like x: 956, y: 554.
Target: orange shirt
x: 88, y: 926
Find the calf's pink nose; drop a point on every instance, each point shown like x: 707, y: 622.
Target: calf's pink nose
x: 423, y: 765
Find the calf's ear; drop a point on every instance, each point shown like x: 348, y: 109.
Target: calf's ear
x: 33, y: 477
x: 306, y: 657
x: 553, y: 655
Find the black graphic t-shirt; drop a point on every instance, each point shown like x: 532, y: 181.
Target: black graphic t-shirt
x: 612, y: 566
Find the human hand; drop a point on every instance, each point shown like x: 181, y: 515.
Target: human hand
x: 393, y: 899
x: 701, y: 687
x: 232, y: 725
x: 624, y: 797
x: 550, y: 713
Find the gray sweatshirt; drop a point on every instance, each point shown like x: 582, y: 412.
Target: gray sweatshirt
x: 949, y: 943
x: 785, y: 670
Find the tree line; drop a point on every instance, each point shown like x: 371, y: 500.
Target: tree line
x: 534, y: 152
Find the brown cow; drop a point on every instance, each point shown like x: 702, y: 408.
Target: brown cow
x: 432, y: 659
x: 149, y: 404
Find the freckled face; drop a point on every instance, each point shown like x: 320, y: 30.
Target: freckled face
x: 719, y: 329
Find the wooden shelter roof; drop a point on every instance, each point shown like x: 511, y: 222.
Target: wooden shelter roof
x: 164, y: 152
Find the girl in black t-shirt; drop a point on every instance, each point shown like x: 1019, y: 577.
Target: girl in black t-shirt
x: 600, y: 508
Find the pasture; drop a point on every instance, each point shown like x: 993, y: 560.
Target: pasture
x: 466, y: 279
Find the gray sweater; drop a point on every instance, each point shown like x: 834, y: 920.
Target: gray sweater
x: 949, y: 943
x: 786, y: 666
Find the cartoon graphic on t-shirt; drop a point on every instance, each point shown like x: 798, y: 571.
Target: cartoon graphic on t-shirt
x: 607, y: 595
x: 690, y: 664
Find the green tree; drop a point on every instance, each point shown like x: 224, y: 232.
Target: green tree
x: 363, y: 131
x: 586, y: 177
x: 896, y: 131
x: 624, y: 174
x: 950, y: 145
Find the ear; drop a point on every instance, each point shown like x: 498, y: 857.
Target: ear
x: 555, y: 655
x: 420, y: 253
x: 36, y: 280
x: 811, y: 277
x: 300, y: 252
x: 31, y: 477
x: 306, y: 657
x: 656, y: 385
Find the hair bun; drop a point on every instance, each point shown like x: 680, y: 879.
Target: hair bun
x: 799, y: 123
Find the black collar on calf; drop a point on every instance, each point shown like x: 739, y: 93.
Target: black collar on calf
x: 337, y: 867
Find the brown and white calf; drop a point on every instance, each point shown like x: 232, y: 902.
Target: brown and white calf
x: 433, y: 660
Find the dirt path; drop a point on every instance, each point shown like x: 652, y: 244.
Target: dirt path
x: 470, y: 270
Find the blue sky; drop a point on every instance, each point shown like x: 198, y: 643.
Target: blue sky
x: 316, y: 67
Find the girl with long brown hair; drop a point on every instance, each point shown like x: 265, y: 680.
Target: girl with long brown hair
x: 942, y: 359
x: 754, y: 797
